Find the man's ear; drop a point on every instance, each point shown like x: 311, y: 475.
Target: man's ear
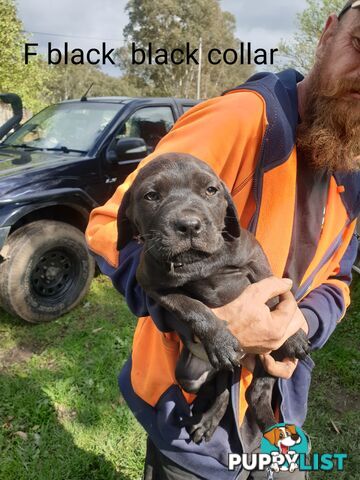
x: 271, y: 436
x: 124, y: 225
x: 232, y: 226
x: 329, y: 30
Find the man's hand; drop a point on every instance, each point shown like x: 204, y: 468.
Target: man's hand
x: 258, y: 329
x: 283, y: 369
x: 261, y: 331
x: 286, y: 367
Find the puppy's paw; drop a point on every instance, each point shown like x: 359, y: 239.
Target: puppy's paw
x: 296, y: 346
x: 201, y: 427
x: 223, y: 350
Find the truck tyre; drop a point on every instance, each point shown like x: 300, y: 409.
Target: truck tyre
x: 47, y: 271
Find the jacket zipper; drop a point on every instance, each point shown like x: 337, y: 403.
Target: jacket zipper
x: 252, y: 228
x: 256, y: 187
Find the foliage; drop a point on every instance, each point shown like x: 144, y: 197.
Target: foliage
x: 72, y: 81
x: 28, y: 81
x: 300, y: 52
x: 39, y: 84
x: 171, y: 24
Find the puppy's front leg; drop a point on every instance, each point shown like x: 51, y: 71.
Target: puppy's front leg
x: 222, y: 348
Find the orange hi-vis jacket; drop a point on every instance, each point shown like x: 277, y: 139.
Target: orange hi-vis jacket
x: 305, y: 223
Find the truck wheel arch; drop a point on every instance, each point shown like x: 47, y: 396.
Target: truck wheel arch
x: 76, y: 216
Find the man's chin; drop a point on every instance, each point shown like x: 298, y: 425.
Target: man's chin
x: 329, y: 136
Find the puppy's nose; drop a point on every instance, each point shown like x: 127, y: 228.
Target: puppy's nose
x: 188, y: 226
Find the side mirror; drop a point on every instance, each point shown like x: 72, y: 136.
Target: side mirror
x: 17, y: 108
x: 128, y: 148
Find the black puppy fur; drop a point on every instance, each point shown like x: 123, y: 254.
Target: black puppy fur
x: 196, y: 256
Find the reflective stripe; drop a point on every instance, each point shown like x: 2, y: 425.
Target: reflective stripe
x: 306, y: 287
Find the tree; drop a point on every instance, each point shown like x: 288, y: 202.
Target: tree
x: 300, y: 52
x: 72, y: 81
x: 28, y: 81
x: 171, y: 24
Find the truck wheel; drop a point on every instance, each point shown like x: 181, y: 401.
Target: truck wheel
x: 47, y: 271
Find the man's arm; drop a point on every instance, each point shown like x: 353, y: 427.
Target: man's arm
x: 326, y: 305
x: 123, y: 278
x: 317, y: 314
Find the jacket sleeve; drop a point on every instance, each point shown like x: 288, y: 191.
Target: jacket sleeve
x: 326, y: 305
x: 123, y: 278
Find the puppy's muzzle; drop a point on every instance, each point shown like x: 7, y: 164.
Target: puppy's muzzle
x: 187, y: 226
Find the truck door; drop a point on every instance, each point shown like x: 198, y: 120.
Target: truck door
x: 150, y: 123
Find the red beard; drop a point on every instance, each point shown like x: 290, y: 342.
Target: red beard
x: 329, y: 133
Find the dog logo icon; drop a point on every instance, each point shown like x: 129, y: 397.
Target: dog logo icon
x: 284, y: 442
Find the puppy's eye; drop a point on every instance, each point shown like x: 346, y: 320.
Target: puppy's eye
x: 152, y: 196
x: 210, y: 191
x: 281, y: 435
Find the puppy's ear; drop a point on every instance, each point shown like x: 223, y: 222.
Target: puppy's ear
x: 232, y: 226
x: 271, y: 436
x: 124, y: 226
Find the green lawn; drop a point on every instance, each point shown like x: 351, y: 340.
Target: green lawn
x: 61, y: 416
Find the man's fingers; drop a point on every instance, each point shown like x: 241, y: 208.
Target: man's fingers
x: 297, y: 322
x: 271, y: 287
x: 283, y: 369
x: 286, y: 308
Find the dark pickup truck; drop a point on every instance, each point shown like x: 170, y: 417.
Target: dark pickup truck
x: 54, y: 169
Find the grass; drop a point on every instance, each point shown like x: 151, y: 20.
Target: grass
x: 62, y: 418
x: 58, y: 386
x: 333, y: 420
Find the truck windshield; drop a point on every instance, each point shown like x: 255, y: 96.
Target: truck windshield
x: 65, y: 127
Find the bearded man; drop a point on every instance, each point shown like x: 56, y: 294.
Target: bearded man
x: 288, y: 148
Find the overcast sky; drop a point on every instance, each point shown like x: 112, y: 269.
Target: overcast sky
x: 86, y: 23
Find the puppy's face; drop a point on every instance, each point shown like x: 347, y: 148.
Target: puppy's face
x: 179, y: 207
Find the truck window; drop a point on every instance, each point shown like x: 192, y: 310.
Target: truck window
x: 186, y: 106
x: 148, y: 123
x: 75, y: 125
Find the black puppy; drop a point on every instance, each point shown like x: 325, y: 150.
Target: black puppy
x: 196, y: 256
